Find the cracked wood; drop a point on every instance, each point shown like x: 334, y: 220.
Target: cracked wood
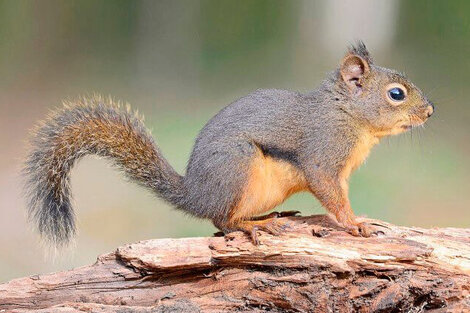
x: 314, y: 267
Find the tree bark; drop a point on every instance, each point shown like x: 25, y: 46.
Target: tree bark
x: 313, y: 267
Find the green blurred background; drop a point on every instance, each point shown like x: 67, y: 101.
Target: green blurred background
x: 179, y: 62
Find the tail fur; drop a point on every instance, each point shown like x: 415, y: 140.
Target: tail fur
x: 90, y: 126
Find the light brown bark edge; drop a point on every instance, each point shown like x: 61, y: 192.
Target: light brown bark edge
x: 314, y: 267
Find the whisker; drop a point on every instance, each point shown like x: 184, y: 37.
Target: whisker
x: 411, y: 129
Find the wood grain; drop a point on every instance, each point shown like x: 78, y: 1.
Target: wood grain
x: 314, y: 267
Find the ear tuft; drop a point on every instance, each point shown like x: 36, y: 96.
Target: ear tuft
x: 360, y: 49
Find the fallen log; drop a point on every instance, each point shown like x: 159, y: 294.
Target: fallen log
x: 314, y: 267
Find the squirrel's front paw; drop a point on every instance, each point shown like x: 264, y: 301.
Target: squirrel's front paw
x: 366, y: 230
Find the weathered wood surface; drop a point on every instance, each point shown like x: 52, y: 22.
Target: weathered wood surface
x: 313, y: 267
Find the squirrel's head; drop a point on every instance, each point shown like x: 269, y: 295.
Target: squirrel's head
x: 382, y: 99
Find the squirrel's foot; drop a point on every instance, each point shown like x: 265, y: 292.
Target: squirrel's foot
x: 271, y: 226
x: 353, y: 226
x: 275, y: 214
x: 361, y: 229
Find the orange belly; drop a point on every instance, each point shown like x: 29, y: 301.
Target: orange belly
x: 270, y: 182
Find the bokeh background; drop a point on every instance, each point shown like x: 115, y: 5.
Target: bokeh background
x: 179, y: 62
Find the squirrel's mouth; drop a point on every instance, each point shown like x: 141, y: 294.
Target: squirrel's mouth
x: 407, y: 123
x: 413, y: 121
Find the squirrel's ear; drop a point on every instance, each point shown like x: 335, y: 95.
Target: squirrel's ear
x: 353, y: 69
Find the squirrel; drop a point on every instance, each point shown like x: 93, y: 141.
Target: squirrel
x: 247, y: 159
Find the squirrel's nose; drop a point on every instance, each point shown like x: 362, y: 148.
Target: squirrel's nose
x: 430, y: 109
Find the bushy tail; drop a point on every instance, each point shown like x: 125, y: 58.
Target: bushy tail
x: 90, y: 126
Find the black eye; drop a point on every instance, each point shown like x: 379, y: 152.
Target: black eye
x: 396, y: 94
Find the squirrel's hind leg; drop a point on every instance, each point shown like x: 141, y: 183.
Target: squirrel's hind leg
x: 268, y: 182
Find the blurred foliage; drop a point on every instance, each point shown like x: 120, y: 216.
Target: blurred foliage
x: 230, y: 29
x: 446, y: 21
x: 440, y: 31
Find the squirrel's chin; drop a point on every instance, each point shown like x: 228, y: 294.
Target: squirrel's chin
x: 404, y: 128
x: 394, y: 131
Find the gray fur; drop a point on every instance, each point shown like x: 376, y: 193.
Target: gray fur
x: 273, y: 119
x: 315, y: 132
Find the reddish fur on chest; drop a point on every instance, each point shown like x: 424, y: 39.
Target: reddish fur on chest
x: 357, y: 156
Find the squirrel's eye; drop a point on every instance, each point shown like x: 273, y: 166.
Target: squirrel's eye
x: 396, y: 94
